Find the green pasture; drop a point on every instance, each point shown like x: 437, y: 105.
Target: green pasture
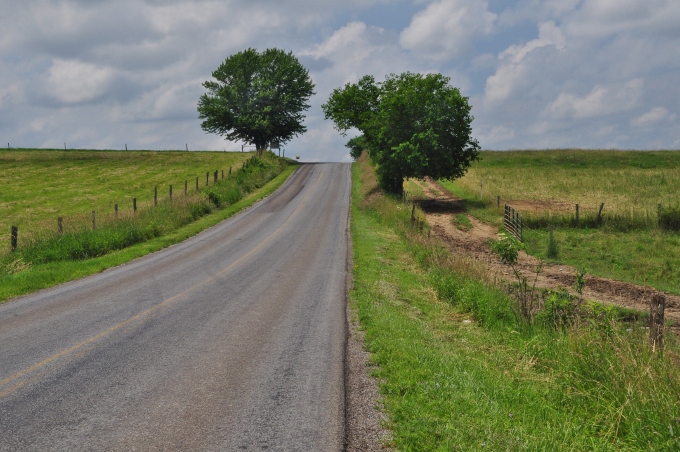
x: 38, y: 186
x: 545, y: 186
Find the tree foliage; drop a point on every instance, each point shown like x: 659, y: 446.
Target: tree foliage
x: 257, y: 98
x: 413, y: 125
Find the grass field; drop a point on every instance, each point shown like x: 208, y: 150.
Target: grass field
x: 459, y: 371
x: 37, y: 186
x: 545, y: 186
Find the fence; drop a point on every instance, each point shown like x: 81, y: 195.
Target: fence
x: 14, y: 233
x: 512, y: 220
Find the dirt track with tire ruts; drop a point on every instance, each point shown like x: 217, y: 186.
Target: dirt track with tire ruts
x: 440, y: 207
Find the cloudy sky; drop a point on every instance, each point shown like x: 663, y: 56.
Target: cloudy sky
x: 539, y: 73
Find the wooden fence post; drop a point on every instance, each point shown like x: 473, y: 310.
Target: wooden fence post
x: 576, y: 213
x: 657, y: 306
x: 659, y: 211
x: 498, y: 203
x: 215, y: 177
x: 230, y: 170
x: 599, y: 214
x: 60, y: 225
x: 207, y: 175
x: 186, y: 185
x: 134, y: 205
x: 222, y: 174
x: 14, y: 238
x: 170, y: 192
x: 115, y: 210
x: 93, y: 222
x: 196, y: 183
x: 155, y: 196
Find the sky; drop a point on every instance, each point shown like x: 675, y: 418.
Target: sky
x: 539, y: 74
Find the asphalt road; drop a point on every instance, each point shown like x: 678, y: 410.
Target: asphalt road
x: 232, y: 340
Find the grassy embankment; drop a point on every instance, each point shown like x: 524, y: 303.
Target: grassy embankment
x: 43, y: 185
x: 459, y: 370
x: 546, y: 185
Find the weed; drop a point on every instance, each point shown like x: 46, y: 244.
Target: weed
x: 507, y: 249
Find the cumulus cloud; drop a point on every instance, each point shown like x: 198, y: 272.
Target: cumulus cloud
x: 511, y: 73
x: 601, y: 101
x: 597, y: 18
x: 446, y: 28
x: 654, y: 116
x: 73, y: 81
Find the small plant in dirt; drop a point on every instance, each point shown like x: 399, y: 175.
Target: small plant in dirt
x: 462, y: 222
x: 507, y: 249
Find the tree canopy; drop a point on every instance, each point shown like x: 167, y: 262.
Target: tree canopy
x: 413, y: 125
x: 257, y: 98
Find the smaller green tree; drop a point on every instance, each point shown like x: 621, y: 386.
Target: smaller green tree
x: 257, y: 98
x: 413, y: 125
x: 356, y: 146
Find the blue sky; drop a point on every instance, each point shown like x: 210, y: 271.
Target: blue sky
x: 539, y: 74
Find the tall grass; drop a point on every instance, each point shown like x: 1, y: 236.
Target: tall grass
x: 593, y: 383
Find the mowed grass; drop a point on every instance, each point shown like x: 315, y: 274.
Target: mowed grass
x: 37, y: 186
x: 459, y: 371
x: 545, y: 186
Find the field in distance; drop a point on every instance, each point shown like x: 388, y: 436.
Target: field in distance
x: 41, y: 185
x: 545, y: 187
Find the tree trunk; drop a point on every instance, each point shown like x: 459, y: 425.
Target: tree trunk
x: 260, y: 148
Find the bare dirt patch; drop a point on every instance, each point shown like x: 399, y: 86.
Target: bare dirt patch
x: 440, y: 207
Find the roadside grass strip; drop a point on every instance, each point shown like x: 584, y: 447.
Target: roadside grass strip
x: 460, y: 371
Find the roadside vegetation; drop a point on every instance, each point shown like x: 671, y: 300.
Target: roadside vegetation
x: 461, y: 368
x: 45, y: 256
x: 637, y: 236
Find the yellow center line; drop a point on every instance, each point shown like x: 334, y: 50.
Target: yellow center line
x: 148, y: 311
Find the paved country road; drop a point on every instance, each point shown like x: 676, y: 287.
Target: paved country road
x: 231, y: 340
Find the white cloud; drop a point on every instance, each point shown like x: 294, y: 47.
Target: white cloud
x: 446, y: 28
x: 601, y: 101
x: 654, y: 116
x: 597, y: 18
x: 511, y: 74
x: 73, y: 81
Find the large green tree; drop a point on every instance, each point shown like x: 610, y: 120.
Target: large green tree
x: 413, y: 125
x: 257, y: 98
